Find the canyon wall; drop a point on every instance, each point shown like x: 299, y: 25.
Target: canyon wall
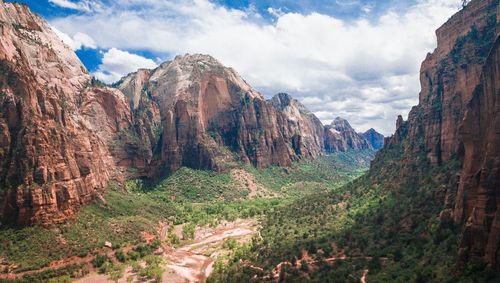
x: 457, y: 120
x: 51, y: 160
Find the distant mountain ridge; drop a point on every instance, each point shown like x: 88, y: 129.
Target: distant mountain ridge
x: 374, y: 138
x: 340, y: 136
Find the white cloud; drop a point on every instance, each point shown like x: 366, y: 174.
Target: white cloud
x: 275, y: 12
x: 366, y: 71
x: 65, y: 4
x: 78, y: 40
x: 117, y: 63
x: 80, y: 5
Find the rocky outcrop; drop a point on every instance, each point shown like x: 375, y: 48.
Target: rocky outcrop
x: 375, y: 139
x: 304, y: 127
x: 65, y: 135
x: 51, y: 161
x: 457, y: 121
x: 340, y: 136
x: 209, y: 116
x: 478, y: 202
x: 448, y: 78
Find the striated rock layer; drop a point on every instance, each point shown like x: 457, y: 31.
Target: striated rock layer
x: 457, y: 120
x: 478, y: 201
x: 210, y: 116
x: 51, y: 161
x: 63, y: 135
x: 304, y: 127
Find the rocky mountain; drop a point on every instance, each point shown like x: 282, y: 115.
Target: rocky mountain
x: 375, y: 139
x: 64, y: 136
x: 301, y: 122
x: 209, y: 115
x: 340, y: 136
x: 457, y: 122
x: 51, y: 159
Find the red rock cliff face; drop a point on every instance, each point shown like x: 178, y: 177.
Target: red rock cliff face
x: 208, y: 114
x: 448, y: 77
x: 64, y: 135
x: 51, y: 161
x: 457, y: 120
x: 478, y: 198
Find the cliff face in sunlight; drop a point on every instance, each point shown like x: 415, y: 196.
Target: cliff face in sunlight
x: 209, y: 116
x: 65, y: 136
x: 51, y: 160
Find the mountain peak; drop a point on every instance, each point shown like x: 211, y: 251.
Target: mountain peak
x: 341, y: 124
x: 196, y: 58
x: 282, y: 100
x: 375, y: 138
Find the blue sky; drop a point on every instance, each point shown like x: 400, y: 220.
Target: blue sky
x: 358, y: 59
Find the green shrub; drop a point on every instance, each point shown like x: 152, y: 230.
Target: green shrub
x: 100, y: 260
x: 120, y: 256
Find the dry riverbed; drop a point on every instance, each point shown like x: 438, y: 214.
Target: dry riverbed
x: 193, y: 260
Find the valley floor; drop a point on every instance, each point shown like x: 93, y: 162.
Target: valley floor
x: 323, y: 220
x: 173, y: 230
x: 192, y: 260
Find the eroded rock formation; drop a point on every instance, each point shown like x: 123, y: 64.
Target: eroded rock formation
x: 478, y: 202
x: 51, y: 160
x: 304, y: 127
x: 340, y: 136
x: 457, y: 120
x: 64, y: 135
x: 209, y: 114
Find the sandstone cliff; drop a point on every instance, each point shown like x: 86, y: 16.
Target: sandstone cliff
x: 304, y: 127
x: 340, y: 136
x: 64, y: 136
x: 210, y: 115
x: 477, y: 202
x: 51, y: 160
x: 457, y: 120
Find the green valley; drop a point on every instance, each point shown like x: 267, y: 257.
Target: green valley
x: 189, y: 198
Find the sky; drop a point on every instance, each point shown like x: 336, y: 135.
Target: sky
x: 357, y: 59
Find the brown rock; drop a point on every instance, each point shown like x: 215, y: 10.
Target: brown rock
x: 457, y: 119
x: 51, y: 162
x: 340, y: 136
x: 477, y: 197
x: 207, y: 111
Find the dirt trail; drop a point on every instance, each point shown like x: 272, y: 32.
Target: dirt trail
x: 61, y: 263
x: 363, y: 278
x: 194, y: 260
